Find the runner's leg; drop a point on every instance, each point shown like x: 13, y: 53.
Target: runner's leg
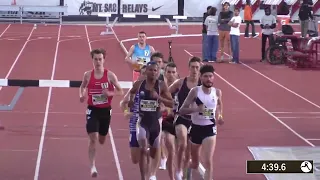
x: 208, y: 146
x: 155, y: 149
x: 164, y: 152
x: 92, y: 128
x: 181, y: 133
x: 170, y: 144
x: 104, y: 124
x: 142, y: 140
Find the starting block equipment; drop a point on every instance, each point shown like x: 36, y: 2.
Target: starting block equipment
x: 108, y: 25
x: 176, y: 25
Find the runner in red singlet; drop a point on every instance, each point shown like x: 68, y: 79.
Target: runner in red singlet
x: 98, y: 86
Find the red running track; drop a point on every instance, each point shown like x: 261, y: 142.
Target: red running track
x: 64, y: 144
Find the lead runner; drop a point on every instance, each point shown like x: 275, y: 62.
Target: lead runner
x: 139, y: 54
x: 99, y: 86
x: 152, y: 92
x: 206, y: 107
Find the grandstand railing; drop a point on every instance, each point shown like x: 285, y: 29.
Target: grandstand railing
x: 20, y: 13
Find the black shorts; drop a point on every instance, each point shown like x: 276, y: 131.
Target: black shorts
x: 98, y: 120
x: 186, y: 122
x: 199, y: 133
x: 167, y: 125
x: 149, y: 128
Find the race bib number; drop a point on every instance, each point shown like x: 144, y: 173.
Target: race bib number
x: 146, y: 53
x: 208, y: 114
x: 141, y: 60
x: 148, y: 105
x: 99, y: 99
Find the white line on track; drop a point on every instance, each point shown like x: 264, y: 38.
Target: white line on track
x: 18, y: 56
x: 317, y: 139
x: 261, y: 107
x: 280, y: 85
x: 298, y: 117
x: 113, y: 145
x: 45, y: 120
x: 5, y: 30
x: 295, y: 112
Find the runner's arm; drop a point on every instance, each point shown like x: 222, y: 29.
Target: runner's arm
x: 152, y: 50
x: 128, y: 59
x: 185, y: 108
x: 175, y: 86
x: 219, y: 104
x: 133, y: 92
x: 84, y: 84
x: 165, y: 96
x: 114, y: 80
x: 125, y: 101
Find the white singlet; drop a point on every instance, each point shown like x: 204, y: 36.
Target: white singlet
x: 210, y: 103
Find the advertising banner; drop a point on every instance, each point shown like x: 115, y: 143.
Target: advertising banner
x: 149, y: 7
x: 91, y: 7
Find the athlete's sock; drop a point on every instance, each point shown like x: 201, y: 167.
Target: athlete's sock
x: 163, y: 164
x: 179, y: 175
x: 94, y: 172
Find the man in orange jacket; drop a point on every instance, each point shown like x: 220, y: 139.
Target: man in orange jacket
x: 248, y: 20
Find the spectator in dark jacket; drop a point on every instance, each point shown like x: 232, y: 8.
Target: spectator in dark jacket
x: 224, y: 29
x: 204, y: 34
x: 304, y: 15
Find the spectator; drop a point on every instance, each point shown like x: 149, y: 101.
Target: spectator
x: 204, y: 35
x: 304, y: 15
x: 211, y: 23
x: 235, y: 23
x: 248, y: 20
x: 268, y: 24
x: 224, y: 29
x: 284, y: 9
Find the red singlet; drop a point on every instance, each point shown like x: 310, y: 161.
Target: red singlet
x: 95, y: 87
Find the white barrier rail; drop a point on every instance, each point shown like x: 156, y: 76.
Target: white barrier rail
x: 58, y: 12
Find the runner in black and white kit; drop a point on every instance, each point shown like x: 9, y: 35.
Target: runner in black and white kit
x: 168, y: 129
x: 205, y: 105
x: 182, y: 123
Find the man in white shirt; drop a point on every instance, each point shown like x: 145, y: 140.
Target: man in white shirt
x: 268, y: 24
x: 235, y: 23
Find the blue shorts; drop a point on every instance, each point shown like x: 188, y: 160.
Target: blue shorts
x: 133, y: 142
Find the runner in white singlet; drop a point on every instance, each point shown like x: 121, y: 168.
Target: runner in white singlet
x: 205, y: 105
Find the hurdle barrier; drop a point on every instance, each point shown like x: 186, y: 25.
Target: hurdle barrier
x: 108, y: 25
x: 50, y: 83
x: 23, y: 10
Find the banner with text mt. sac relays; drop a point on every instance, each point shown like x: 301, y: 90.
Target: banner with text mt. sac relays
x: 149, y: 7
x: 91, y: 7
